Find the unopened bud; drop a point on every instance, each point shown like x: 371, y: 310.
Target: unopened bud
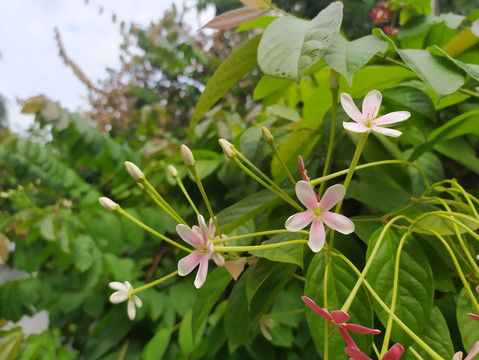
x: 108, y: 203
x: 172, y: 170
x: 227, y: 148
x: 267, y: 135
x: 134, y: 171
x: 187, y: 155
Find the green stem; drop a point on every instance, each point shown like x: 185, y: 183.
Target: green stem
x: 183, y: 189
x: 258, y: 247
x: 158, y: 199
x: 415, y: 353
x: 203, y: 194
x: 260, y: 233
x: 467, y: 197
x: 325, y: 300
x: 150, y: 230
x: 275, y: 152
x: 153, y: 283
x: 357, y: 154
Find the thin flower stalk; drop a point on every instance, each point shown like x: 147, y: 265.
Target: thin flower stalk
x: 255, y: 234
x: 177, y: 178
x: 154, y: 283
x: 221, y: 249
x: 158, y: 199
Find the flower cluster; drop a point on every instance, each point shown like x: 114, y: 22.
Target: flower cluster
x: 383, y: 14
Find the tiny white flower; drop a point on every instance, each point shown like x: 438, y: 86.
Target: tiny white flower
x: 125, y: 292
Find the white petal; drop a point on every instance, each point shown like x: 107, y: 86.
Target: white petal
x: 355, y: 127
x: 202, y: 272
x: 386, y: 131
x: 118, y: 297
x: 137, y: 301
x: 317, y: 236
x: 474, y: 351
x: 457, y: 356
x: 299, y: 221
x: 219, y: 259
x: 204, y: 230
x: 188, y: 263
x: 371, y: 104
x: 475, y: 28
x: 131, y: 309
x: 338, y: 222
x: 391, y: 118
x: 116, y: 285
x: 332, y: 196
x: 306, y: 195
x: 189, y: 236
x: 351, y: 109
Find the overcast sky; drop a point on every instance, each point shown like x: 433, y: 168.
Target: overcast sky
x: 29, y: 61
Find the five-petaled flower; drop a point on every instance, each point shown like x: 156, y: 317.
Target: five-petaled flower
x: 394, y: 353
x: 339, y: 319
x: 474, y: 351
x: 199, y: 237
x: 366, y: 120
x: 317, y: 213
x: 125, y: 292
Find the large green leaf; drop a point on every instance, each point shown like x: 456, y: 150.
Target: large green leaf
x: 412, y: 98
x: 292, y: 254
x: 461, y: 152
x: 471, y: 69
x: 415, y: 285
x: 469, y: 328
x: 347, y: 57
x: 340, y: 281
x: 228, y: 73
x: 290, y: 46
x: 156, y: 347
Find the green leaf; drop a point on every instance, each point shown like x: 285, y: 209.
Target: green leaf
x: 260, y: 23
x: 252, y: 143
x: 185, y: 336
x: 290, y: 46
x: 469, y: 328
x: 415, y: 285
x: 460, y: 151
x: 47, y: 228
x: 121, y: 269
x: 471, y: 69
x: 442, y: 226
x: 284, y: 112
x: 156, y: 347
x: 412, y: 98
x: 340, y: 281
x: 268, y: 85
x: 292, y: 254
x: 11, y: 344
x: 347, y: 57
x: 208, y: 295
x: 228, y: 73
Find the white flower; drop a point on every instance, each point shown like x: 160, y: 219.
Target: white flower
x: 125, y: 292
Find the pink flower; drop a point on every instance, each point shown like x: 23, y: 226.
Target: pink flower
x: 366, y: 121
x: 199, y: 237
x: 381, y: 14
x: 389, y: 30
x: 394, y: 353
x: 474, y: 351
x: 317, y: 213
x: 339, y: 318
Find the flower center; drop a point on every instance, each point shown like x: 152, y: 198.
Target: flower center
x: 318, y: 212
x: 369, y: 121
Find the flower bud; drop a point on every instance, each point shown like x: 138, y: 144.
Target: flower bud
x: 134, y: 171
x: 172, y: 170
x: 108, y: 203
x: 227, y: 148
x: 187, y: 155
x: 267, y: 135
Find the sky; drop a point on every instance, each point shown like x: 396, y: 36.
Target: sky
x: 29, y: 60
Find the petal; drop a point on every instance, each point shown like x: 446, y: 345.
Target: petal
x: 474, y: 351
x: 131, y: 309
x: 355, y: 127
x: 137, y: 301
x: 116, y: 285
x: 188, y: 263
x: 392, y: 118
x: 299, y: 221
x: 118, y: 297
x: 323, y: 312
x: 473, y: 316
x: 351, y: 109
x: 202, y: 272
x: 339, y: 316
x: 346, y: 337
x: 204, y: 230
x: 332, y: 196
x: 360, y: 329
x: 394, y: 353
x: 457, y: 356
x: 189, y: 236
x: 219, y: 259
x: 338, y: 222
x: 386, y: 131
x: 371, y: 104
x: 355, y: 353
x: 317, y: 236
x: 211, y: 229
x: 306, y: 194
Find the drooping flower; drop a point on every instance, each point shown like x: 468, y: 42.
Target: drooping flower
x: 394, y: 353
x: 366, y: 120
x: 339, y: 319
x: 317, y: 213
x: 125, y: 292
x: 474, y: 351
x: 200, y: 238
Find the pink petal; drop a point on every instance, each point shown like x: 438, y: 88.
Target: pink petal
x: 299, y: 221
x: 188, y: 263
x: 131, y: 309
x: 116, y: 285
x: 306, y: 194
x: 219, y: 260
x: 323, y: 312
x: 346, y: 337
x: 355, y: 353
x: 360, y: 329
x: 189, y: 236
x: 386, y: 131
x: 339, y: 316
x: 355, y: 127
x: 351, y: 109
x: 371, y: 104
x: 204, y: 230
x: 457, y: 356
x: 473, y: 316
x: 338, y: 222
x: 317, y: 236
x: 394, y: 353
x: 474, y: 351
x: 392, y: 118
x: 118, y: 297
x: 202, y: 272
x: 332, y: 196
x: 211, y: 229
